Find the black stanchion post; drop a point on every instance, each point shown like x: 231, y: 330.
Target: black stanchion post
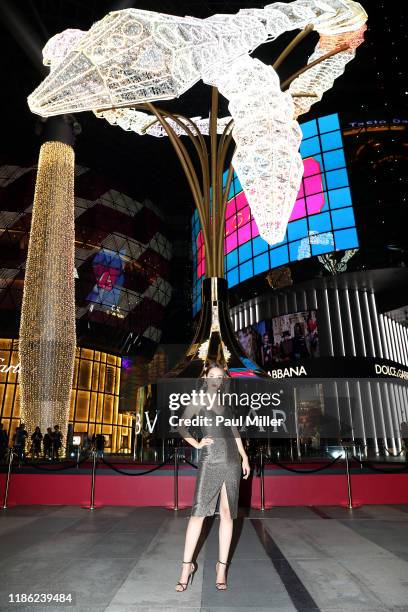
x: 6, y: 490
x: 349, y: 491
x: 92, y: 504
x: 93, y: 479
x: 262, y: 481
x: 176, y: 464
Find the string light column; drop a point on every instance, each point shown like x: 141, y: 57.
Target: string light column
x: 47, y: 327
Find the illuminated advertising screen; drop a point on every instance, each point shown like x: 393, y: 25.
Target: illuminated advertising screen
x: 322, y: 218
x: 286, y: 338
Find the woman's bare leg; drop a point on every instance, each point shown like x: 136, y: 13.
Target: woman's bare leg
x: 194, y: 527
x: 224, y: 534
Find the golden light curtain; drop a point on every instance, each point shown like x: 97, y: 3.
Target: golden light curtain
x: 47, y: 328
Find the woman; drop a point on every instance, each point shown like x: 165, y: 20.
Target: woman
x: 36, y: 439
x: 221, y: 460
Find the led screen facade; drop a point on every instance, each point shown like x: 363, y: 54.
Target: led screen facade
x: 322, y: 219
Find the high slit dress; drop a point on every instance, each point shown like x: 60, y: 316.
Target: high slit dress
x: 218, y: 462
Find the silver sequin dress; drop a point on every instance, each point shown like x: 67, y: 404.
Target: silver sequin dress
x: 218, y: 463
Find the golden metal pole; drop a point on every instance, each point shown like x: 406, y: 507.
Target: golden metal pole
x: 214, y: 178
x: 292, y: 45
x: 202, y: 152
x: 222, y: 224
x: 181, y: 153
x: 294, y: 76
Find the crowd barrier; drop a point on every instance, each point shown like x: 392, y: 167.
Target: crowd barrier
x: 259, y: 461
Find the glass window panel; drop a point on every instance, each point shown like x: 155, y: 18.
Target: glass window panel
x: 232, y: 259
x: 232, y: 277
x: 231, y: 242
x: 259, y: 245
x: 309, y: 128
x: 297, y: 249
x: 245, y: 271
x: 99, y: 411
x: 316, y: 203
x: 332, y: 140
x: 92, y: 407
x: 322, y: 244
x: 320, y: 223
x: 299, y: 209
x: 8, y: 401
x: 279, y: 256
x: 346, y: 239
x: 72, y: 405
x: 297, y: 229
x: 245, y: 252
x: 82, y: 405
x: 310, y: 147
x: 334, y: 159
x: 85, y: 373
x: 313, y: 184
x: 329, y: 123
x: 108, y: 409
x: 343, y: 217
x: 312, y: 165
x: 87, y: 353
x: 244, y: 233
x: 4, y: 363
x: 261, y: 263
x: 95, y: 376
x: 340, y: 197
x: 336, y: 178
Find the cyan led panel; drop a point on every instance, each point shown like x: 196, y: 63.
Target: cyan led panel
x: 322, y: 219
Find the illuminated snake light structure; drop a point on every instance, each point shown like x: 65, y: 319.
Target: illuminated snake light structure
x: 132, y: 57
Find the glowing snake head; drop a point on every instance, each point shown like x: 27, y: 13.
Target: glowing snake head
x: 339, y: 16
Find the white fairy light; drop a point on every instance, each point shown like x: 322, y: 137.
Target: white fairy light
x: 133, y: 56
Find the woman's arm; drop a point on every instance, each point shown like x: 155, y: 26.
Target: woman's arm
x: 245, y: 462
x: 188, y: 413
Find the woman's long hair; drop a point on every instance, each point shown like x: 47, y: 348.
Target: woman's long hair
x: 210, y: 365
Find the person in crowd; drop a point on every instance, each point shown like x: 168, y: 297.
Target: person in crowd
x: 86, y: 445
x: 36, y: 439
x: 19, y: 440
x: 57, y: 435
x: 300, y: 350
x: 48, y: 443
x: 99, y: 444
x: 312, y: 335
x: 286, y: 346
x: 4, y: 440
x: 404, y: 434
x: 266, y: 352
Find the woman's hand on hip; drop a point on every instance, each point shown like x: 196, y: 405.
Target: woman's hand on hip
x: 205, y: 442
x: 246, y: 468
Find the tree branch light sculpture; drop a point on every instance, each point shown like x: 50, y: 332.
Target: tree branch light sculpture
x: 133, y: 58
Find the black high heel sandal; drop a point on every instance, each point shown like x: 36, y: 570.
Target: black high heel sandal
x: 189, y: 579
x: 221, y: 586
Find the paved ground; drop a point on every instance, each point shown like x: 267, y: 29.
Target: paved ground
x: 285, y: 559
